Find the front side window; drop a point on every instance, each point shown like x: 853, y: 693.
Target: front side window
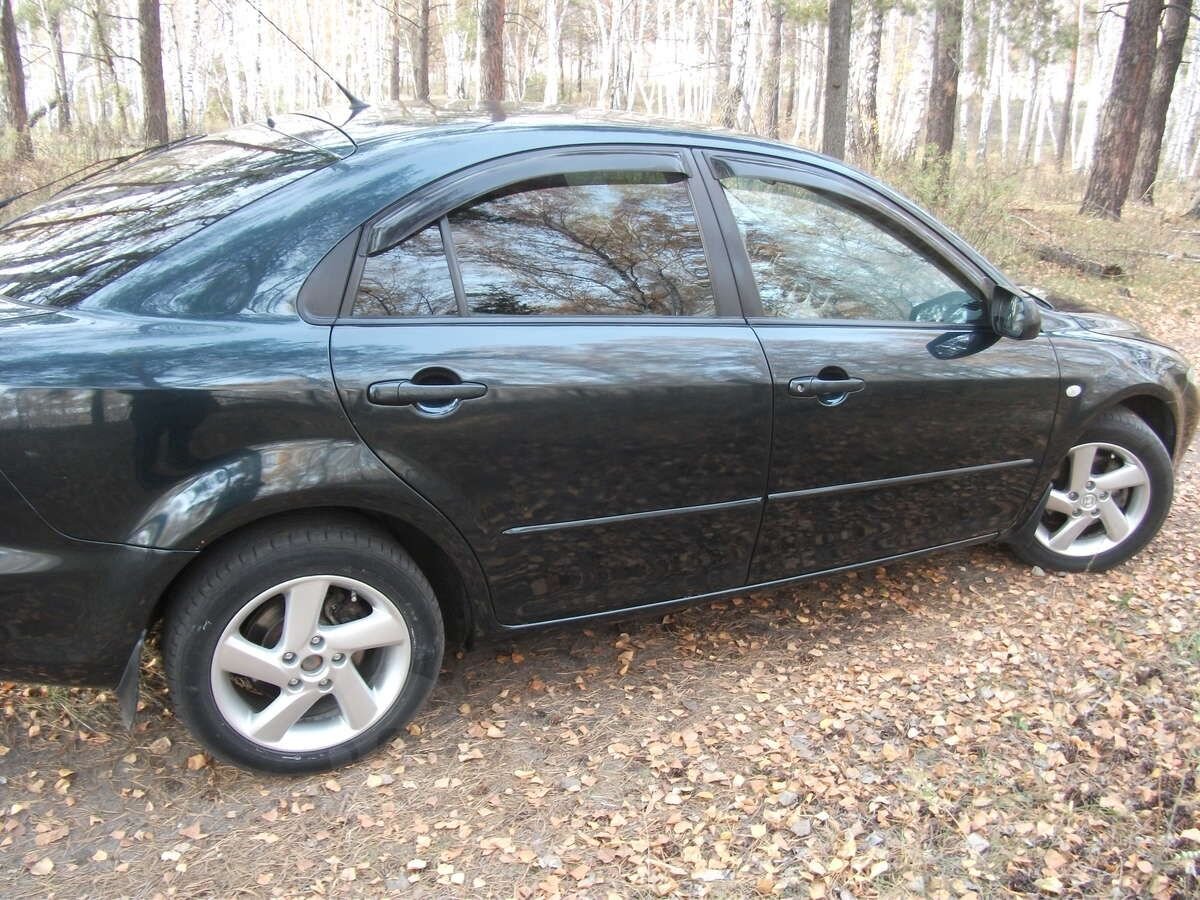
x: 604, y: 243
x: 815, y: 256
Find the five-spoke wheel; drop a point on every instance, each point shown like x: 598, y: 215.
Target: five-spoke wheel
x: 310, y: 663
x: 1098, y: 500
x: 1106, y: 501
x: 303, y: 644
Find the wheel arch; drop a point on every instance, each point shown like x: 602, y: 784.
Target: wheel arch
x: 458, y: 584
x: 1157, y: 414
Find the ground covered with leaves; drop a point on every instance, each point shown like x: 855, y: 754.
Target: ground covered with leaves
x: 956, y: 726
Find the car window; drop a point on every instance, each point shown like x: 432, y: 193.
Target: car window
x: 409, y: 279
x: 815, y: 256
x: 615, y: 243
x: 95, y: 231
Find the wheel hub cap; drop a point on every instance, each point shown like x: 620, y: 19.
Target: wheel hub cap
x: 1097, y: 500
x: 328, y: 697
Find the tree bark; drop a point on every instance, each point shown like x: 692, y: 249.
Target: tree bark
x: 553, y: 53
x: 421, y: 57
x: 837, y: 78
x: 394, y: 58
x: 154, y: 91
x: 14, y: 81
x: 773, y: 69
x: 735, y: 112
x: 491, y: 63
x: 943, y: 84
x: 62, y: 88
x: 1121, y: 122
x: 1068, y: 116
x: 864, y: 130
x: 1162, y: 84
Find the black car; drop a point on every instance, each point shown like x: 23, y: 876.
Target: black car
x: 318, y: 396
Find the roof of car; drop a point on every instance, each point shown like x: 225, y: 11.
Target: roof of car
x: 388, y: 124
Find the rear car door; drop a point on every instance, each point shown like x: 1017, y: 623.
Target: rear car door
x: 543, y: 350
x: 902, y: 422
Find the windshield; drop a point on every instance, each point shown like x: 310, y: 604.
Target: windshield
x: 94, y: 232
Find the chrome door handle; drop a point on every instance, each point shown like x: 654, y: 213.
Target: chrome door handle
x: 815, y: 386
x: 408, y: 393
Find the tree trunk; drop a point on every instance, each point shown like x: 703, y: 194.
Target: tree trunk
x: 864, y: 130
x: 1121, y: 122
x: 837, y: 78
x: 394, y: 58
x: 154, y: 91
x: 14, y: 82
x: 491, y: 63
x: 62, y: 88
x: 943, y: 84
x: 724, y: 32
x: 991, y: 79
x: 108, y: 66
x: 771, y: 79
x: 1162, y: 84
x: 421, y: 56
x: 553, y: 53
x: 1067, y: 118
x: 735, y: 109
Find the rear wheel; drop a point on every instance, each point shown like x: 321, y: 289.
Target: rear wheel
x: 302, y: 646
x: 1107, y: 500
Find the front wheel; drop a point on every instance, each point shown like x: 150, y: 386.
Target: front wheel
x: 1107, y: 500
x: 303, y: 645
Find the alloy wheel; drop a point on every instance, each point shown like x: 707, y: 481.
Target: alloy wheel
x: 311, y: 663
x: 1097, y: 500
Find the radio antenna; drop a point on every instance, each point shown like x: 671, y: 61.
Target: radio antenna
x: 356, y: 105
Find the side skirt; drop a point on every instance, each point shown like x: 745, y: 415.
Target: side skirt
x: 663, y: 606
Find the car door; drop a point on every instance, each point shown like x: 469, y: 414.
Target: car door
x: 543, y: 350
x: 902, y: 422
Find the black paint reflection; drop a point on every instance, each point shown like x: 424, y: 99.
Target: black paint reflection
x: 603, y: 243
x: 96, y: 231
x: 816, y: 258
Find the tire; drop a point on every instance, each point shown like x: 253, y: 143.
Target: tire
x: 1077, y: 526
x: 302, y: 645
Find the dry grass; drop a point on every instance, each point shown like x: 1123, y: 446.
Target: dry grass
x: 951, y: 727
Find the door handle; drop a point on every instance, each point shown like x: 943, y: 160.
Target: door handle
x: 816, y: 386
x: 408, y: 393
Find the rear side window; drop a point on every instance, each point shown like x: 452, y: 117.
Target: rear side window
x: 94, y: 232
x: 587, y: 244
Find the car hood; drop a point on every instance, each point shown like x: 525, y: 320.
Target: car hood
x: 1069, y: 314
x: 11, y: 310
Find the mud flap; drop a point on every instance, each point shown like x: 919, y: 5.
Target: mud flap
x: 127, y: 689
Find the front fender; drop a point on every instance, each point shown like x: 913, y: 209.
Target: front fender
x: 1103, y: 371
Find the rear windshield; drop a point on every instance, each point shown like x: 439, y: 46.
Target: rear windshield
x: 94, y: 232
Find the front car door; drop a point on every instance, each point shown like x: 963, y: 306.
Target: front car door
x: 902, y: 422
x: 542, y: 349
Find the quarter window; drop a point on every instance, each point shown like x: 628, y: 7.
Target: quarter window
x: 409, y: 279
x: 615, y: 243
x: 817, y: 257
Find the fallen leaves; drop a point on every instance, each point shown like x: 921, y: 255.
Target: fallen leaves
x: 43, y: 866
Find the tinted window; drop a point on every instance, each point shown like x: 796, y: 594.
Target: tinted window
x: 92, y: 233
x: 409, y: 279
x: 815, y: 257
x: 599, y: 243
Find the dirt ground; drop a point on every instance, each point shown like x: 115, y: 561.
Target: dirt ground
x: 961, y: 725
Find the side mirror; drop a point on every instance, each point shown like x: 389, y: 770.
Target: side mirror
x: 1014, y: 316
